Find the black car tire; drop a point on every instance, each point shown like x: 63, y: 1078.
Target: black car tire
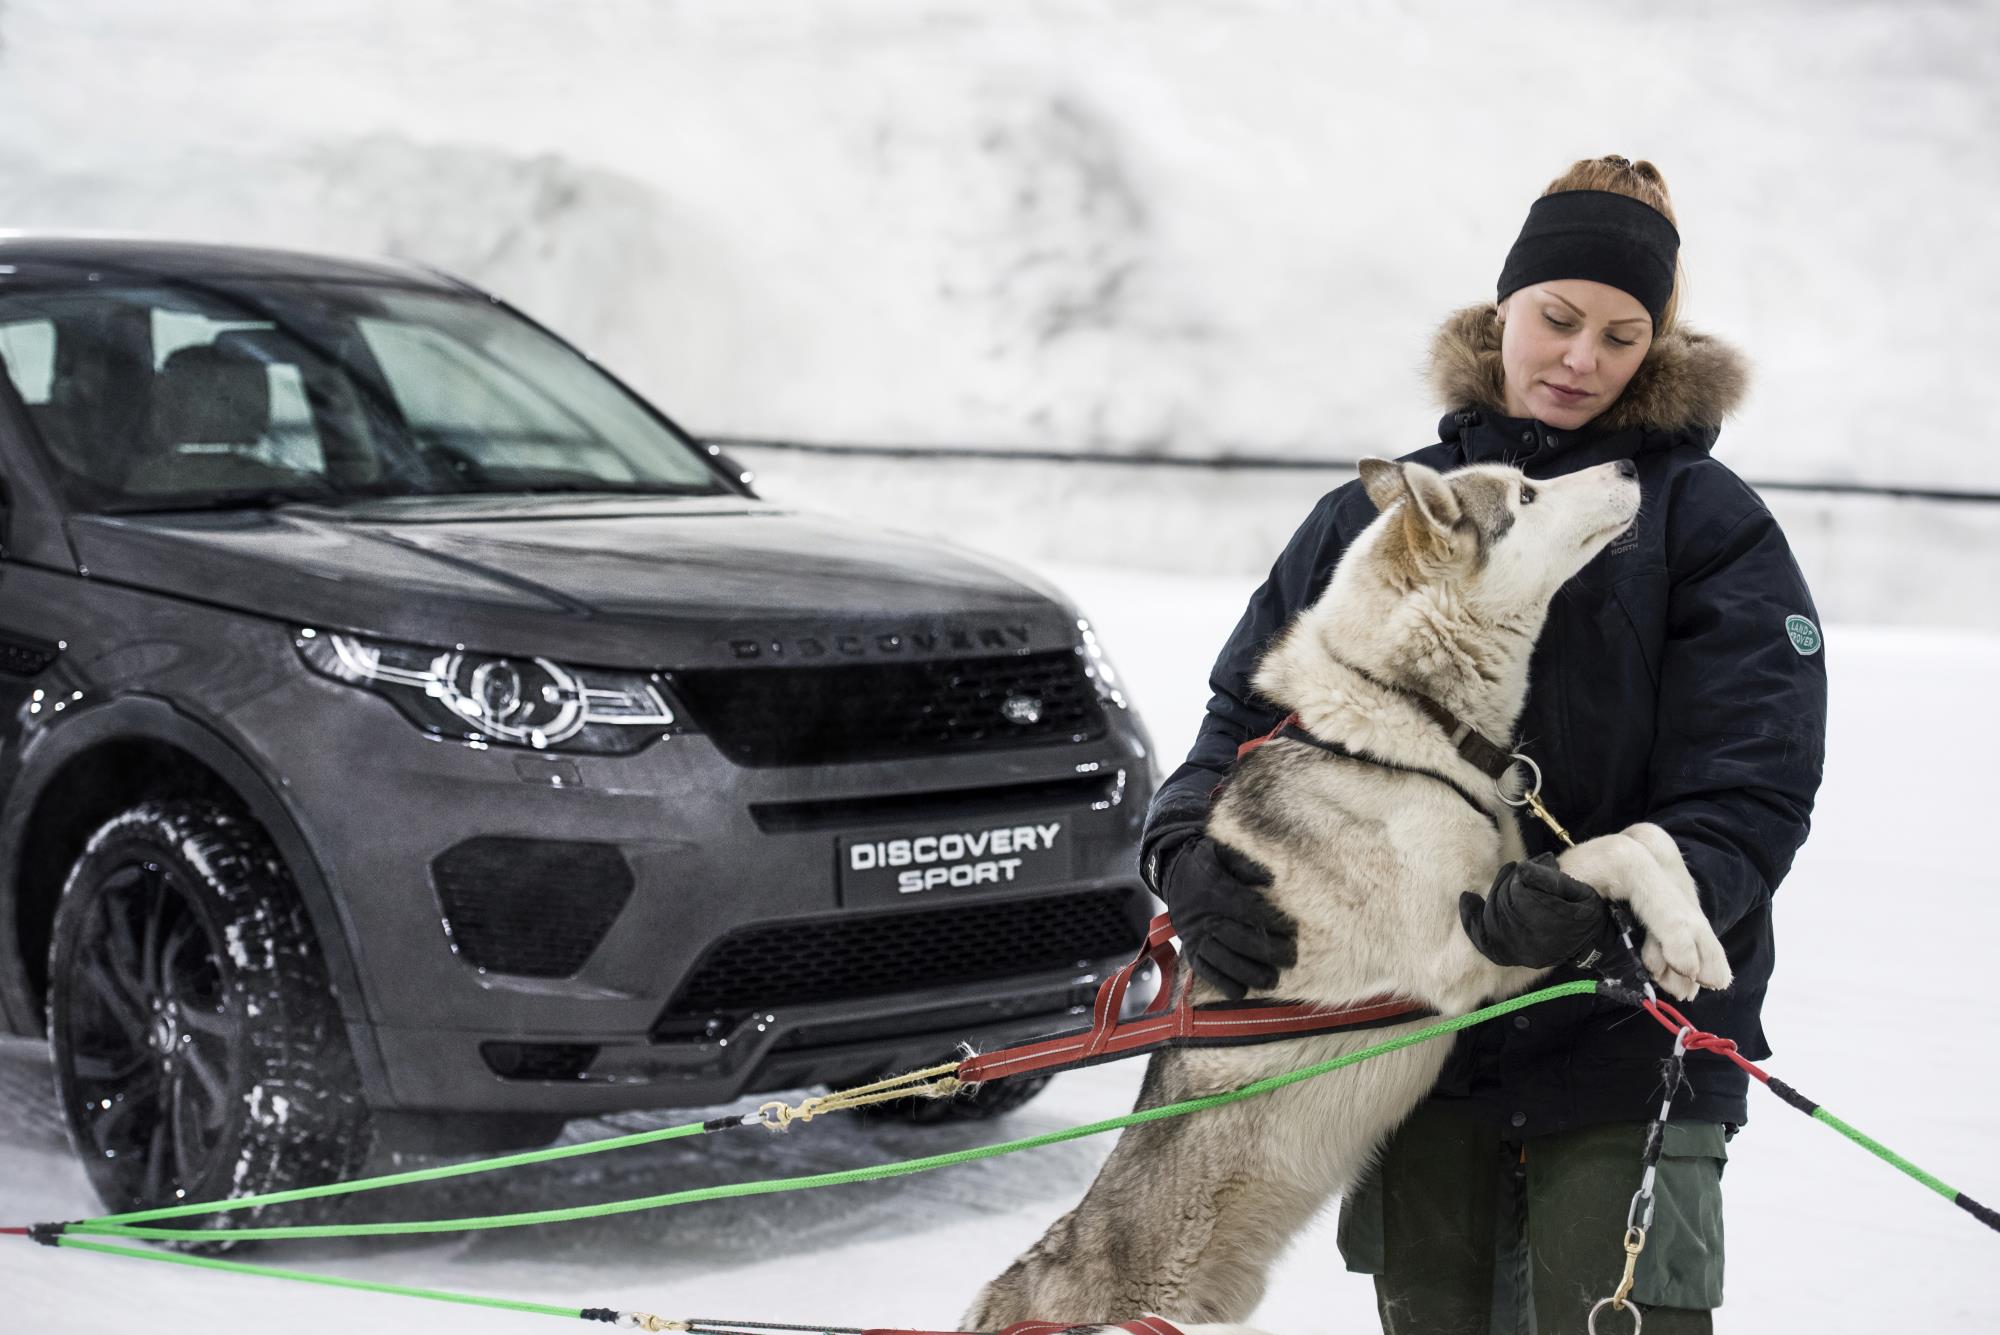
x: 993, y: 1099
x: 198, y: 1049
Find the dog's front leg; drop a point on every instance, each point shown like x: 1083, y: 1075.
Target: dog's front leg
x: 1641, y: 866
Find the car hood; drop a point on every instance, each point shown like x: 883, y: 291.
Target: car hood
x: 619, y: 581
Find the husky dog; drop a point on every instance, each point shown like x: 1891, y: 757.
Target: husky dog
x: 1442, y: 596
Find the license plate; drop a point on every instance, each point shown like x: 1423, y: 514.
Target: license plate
x: 946, y: 859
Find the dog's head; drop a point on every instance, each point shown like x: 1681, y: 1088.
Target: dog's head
x: 1454, y: 578
x: 1500, y: 542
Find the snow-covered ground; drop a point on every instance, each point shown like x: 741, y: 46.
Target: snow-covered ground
x: 1887, y: 926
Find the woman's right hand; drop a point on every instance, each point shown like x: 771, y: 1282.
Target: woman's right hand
x: 1231, y: 934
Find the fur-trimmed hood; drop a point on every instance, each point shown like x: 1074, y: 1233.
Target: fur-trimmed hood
x: 1689, y: 380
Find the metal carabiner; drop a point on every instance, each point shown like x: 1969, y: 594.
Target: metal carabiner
x: 1534, y: 789
x: 1532, y: 799
x: 1638, y: 1320
x: 1635, y: 1242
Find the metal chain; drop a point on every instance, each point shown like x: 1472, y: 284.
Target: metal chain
x: 1636, y: 1222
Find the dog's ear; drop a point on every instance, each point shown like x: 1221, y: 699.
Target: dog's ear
x: 1432, y: 497
x: 1383, y: 481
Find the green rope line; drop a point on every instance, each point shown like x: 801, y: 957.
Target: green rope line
x: 415, y: 1175
x: 1792, y: 1098
x: 330, y: 1281
x: 102, y: 1228
x: 1887, y: 1155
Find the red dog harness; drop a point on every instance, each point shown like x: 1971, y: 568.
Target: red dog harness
x: 1175, y: 1021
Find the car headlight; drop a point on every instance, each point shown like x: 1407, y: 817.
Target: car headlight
x: 1098, y: 665
x: 528, y: 702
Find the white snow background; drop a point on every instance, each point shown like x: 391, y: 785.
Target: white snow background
x: 1193, y: 227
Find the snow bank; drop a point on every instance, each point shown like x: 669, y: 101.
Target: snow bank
x: 1196, y: 226
x: 1192, y: 225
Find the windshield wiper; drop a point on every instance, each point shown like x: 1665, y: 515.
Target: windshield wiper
x: 244, y: 498
x: 586, y: 489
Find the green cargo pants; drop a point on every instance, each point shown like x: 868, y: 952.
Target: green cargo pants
x: 1468, y: 1233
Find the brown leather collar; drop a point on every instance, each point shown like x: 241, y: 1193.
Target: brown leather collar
x: 1485, y: 755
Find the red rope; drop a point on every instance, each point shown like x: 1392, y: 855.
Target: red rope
x: 1700, y: 1040
x: 1271, y: 736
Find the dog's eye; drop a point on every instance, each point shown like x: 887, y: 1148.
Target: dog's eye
x: 1527, y: 495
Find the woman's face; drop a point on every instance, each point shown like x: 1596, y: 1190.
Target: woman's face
x: 1568, y: 347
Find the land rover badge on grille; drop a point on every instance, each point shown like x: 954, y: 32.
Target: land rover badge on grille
x: 1021, y: 709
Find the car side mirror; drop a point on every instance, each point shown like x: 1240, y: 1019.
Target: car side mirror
x: 738, y: 474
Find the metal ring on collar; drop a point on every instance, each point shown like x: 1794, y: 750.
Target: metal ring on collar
x: 1638, y: 1321
x: 1534, y: 789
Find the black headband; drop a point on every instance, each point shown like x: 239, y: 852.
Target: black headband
x: 1596, y: 234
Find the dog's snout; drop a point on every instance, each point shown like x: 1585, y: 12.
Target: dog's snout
x: 1627, y: 469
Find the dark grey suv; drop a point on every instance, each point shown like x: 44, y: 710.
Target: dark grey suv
x: 405, y: 728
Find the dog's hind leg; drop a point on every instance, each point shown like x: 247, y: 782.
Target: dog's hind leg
x: 1183, y: 1220
x: 1187, y: 1215
x: 1143, y: 1231
x: 1297, y: 1146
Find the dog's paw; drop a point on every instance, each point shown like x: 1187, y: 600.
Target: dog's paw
x: 1679, y: 986
x: 1684, y: 955
x: 1642, y: 866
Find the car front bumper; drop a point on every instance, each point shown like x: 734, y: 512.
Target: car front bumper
x: 714, y: 850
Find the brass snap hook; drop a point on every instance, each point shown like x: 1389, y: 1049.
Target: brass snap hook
x: 1532, y: 799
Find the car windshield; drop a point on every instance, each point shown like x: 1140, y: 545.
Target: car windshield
x: 189, y: 396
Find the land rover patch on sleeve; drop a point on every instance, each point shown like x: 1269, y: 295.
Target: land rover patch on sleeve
x: 1805, y: 635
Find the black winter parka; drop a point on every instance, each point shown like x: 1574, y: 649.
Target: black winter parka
x: 1680, y: 679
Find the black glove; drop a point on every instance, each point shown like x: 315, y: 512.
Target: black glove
x: 1534, y: 915
x: 1230, y: 933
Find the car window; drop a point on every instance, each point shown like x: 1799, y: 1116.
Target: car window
x: 173, y: 330
x: 28, y: 347
x: 212, y: 395
x: 259, y: 426
x: 474, y: 400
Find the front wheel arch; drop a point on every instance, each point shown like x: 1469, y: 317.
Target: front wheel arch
x: 198, y: 1051
x: 171, y: 744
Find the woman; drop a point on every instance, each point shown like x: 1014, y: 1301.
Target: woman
x: 1679, y: 680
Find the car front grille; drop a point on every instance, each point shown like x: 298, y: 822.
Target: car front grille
x: 533, y: 907
x: 538, y: 1061
x: 829, y: 959
x: 1057, y: 1009
x: 889, y: 711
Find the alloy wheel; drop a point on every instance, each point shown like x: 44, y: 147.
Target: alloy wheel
x: 156, y: 1043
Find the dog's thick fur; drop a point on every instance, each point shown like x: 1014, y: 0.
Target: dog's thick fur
x: 1443, y: 594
